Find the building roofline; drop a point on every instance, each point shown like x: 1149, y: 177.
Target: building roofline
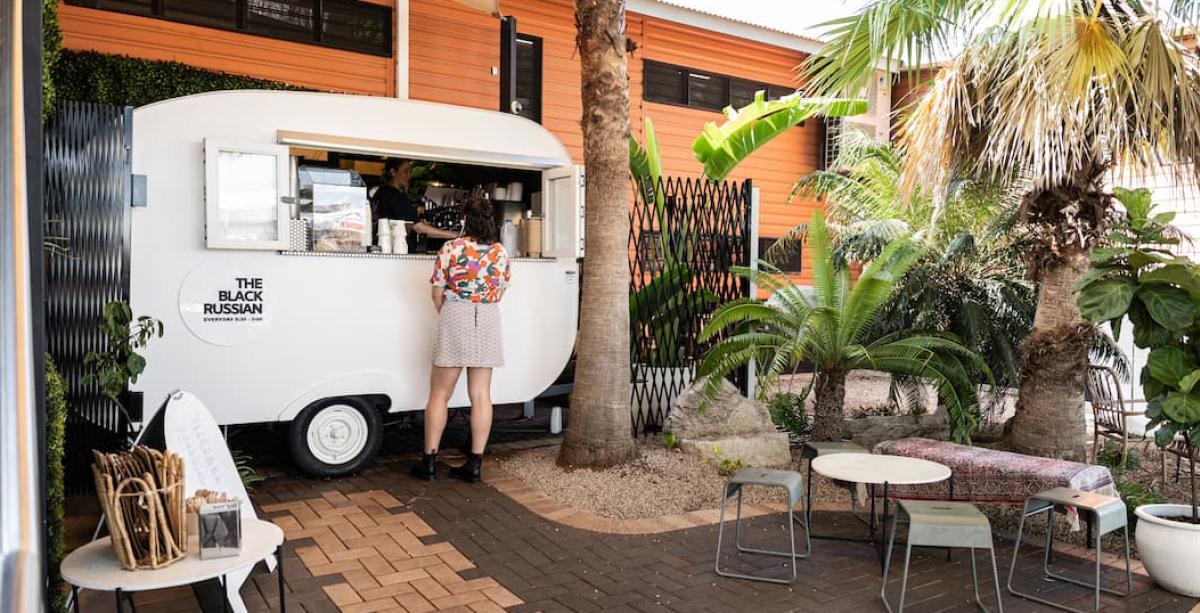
x: 724, y: 25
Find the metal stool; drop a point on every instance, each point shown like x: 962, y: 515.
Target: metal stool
x: 786, y: 479
x: 941, y: 524
x: 812, y: 450
x: 1107, y: 515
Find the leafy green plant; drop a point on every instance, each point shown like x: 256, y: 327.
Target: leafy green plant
x: 789, y: 413
x: 56, y: 431
x: 729, y: 466
x: 1136, y: 494
x: 51, y: 51
x: 1138, y: 277
x: 670, y: 440
x: 1110, y: 456
x: 120, y: 363
x: 827, y: 326
x: 246, y: 472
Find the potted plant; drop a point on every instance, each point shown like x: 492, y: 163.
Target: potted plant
x: 1138, y: 277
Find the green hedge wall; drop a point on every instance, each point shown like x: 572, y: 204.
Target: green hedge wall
x: 51, y: 50
x: 88, y: 76
x: 56, y: 429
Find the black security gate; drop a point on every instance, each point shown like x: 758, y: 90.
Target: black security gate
x: 87, y: 195
x: 683, y: 240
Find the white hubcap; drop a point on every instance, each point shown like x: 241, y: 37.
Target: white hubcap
x: 337, y: 434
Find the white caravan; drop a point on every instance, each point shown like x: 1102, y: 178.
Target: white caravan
x: 262, y: 328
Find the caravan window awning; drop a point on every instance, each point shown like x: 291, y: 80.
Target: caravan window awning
x: 351, y: 144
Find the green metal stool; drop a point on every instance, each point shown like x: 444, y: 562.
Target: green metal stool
x: 1107, y: 515
x: 941, y: 524
x: 786, y: 479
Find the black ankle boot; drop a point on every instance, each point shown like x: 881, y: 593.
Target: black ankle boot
x: 426, y: 469
x: 470, y: 470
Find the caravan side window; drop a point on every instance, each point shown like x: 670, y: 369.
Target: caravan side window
x: 244, y: 192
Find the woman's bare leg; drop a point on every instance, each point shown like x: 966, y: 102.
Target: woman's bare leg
x: 479, y: 388
x: 441, y: 386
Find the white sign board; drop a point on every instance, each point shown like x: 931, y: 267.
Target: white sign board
x: 190, y: 431
x: 225, y: 303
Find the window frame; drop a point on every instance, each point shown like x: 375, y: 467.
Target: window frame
x: 538, y: 71
x: 240, y: 23
x: 212, y: 192
x: 766, y: 242
x: 686, y: 74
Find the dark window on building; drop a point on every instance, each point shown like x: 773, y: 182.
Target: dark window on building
x: 352, y: 25
x: 670, y: 84
x: 786, y: 258
x: 529, y: 76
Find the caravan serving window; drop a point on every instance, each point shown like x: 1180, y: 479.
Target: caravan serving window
x: 244, y: 190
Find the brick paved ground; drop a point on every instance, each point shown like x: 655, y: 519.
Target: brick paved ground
x: 382, y: 541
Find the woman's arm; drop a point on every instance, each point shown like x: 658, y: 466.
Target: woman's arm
x: 421, y: 227
x: 438, y: 298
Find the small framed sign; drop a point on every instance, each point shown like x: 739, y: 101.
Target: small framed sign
x: 220, y: 526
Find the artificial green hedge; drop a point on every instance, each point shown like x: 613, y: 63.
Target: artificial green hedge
x: 56, y: 429
x: 88, y: 76
x: 51, y: 50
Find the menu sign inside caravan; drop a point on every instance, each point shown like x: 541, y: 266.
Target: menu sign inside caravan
x: 225, y: 303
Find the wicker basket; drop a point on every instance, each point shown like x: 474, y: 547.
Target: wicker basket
x: 144, y: 510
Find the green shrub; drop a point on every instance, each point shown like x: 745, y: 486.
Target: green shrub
x: 788, y: 412
x: 56, y: 427
x: 88, y: 76
x: 670, y: 440
x: 1136, y: 494
x: 1110, y: 456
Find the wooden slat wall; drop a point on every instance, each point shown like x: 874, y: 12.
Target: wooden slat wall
x: 452, y: 52
x: 310, y: 66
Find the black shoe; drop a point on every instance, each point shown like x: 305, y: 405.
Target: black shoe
x: 470, y: 470
x: 426, y: 469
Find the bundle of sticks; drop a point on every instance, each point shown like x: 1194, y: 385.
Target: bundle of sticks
x: 141, y: 494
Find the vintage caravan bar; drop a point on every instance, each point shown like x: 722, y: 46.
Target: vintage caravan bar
x: 283, y: 301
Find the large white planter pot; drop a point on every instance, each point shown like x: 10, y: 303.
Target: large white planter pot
x: 1170, y: 549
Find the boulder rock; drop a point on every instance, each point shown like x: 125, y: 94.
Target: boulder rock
x: 729, y: 427
x: 763, y: 450
x: 728, y: 413
x: 870, y: 431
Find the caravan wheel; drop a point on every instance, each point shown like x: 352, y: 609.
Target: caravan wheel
x: 335, y: 436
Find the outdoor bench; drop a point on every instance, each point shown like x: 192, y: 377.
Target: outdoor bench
x: 989, y: 476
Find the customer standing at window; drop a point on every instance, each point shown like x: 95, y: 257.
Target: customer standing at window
x: 391, y: 201
x: 469, y: 279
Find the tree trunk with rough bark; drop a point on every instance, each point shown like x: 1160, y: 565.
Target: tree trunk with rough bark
x: 1050, y: 420
x: 599, y: 433
x: 828, y: 407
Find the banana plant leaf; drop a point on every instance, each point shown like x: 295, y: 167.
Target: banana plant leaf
x: 721, y: 148
x: 662, y: 311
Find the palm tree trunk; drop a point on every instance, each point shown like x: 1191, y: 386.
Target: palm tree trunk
x: 1050, y: 419
x: 600, y: 432
x: 830, y: 390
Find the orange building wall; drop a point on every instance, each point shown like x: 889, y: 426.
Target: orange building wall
x: 452, y: 51
x: 451, y: 54
x: 311, y: 66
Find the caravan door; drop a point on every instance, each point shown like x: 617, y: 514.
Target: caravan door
x: 563, y: 209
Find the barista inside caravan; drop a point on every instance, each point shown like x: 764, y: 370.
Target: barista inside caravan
x: 391, y: 201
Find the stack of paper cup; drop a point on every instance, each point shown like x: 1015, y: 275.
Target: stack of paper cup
x: 399, y: 237
x: 385, y: 236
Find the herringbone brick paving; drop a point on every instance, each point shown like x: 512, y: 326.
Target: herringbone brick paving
x: 470, y: 548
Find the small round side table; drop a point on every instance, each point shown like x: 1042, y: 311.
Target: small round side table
x: 95, y: 567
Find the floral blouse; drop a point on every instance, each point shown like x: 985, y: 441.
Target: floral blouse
x: 471, y: 272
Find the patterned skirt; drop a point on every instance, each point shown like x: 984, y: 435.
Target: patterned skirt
x: 468, y: 335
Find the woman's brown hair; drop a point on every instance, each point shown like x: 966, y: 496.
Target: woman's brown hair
x: 479, y: 221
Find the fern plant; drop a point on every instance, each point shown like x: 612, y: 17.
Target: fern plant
x: 828, y: 326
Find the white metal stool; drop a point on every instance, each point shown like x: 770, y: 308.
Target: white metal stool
x: 941, y: 524
x: 786, y: 479
x: 1107, y: 515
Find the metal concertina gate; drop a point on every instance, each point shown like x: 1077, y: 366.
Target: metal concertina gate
x: 682, y: 244
x: 88, y: 191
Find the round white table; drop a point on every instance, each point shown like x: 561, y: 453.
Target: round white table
x: 873, y: 470
x: 95, y: 567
